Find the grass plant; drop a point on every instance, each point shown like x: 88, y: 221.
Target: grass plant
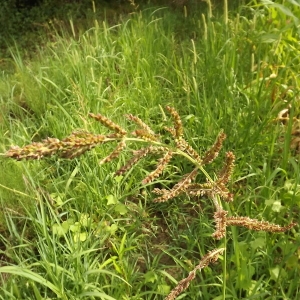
x: 74, y: 229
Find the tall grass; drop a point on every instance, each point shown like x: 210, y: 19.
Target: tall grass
x: 72, y: 230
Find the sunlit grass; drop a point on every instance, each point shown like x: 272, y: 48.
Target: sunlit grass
x: 236, y: 77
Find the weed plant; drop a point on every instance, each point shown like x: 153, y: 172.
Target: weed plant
x: 81, y: 141
x: 77, y: 229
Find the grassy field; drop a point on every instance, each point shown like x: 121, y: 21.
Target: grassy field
x: 76, y: 229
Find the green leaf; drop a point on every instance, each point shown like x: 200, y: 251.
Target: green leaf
x: 163, y: 289
x: 277, y: 273
x: 66, y: 225
x: 245, y: 275
x: 276, y: 206
x: 121, y: 209
x: 59, y: 230
x: 244, y: 248
x: 15, y: 270
x: 281, y: 7
x: 112, y: 229
x: 117, y: 267
x: 82, y: 236
x: 292, y: 194
x: 75, y: 227
x: 270, y: 37
x: 150, y: 277
x: 85, y: 220
x: 258, y: 243
x: 118, y: 178
x: 294, y: 2
x: 274, y: 272
x: 269, y: 202
x: 57, y: 199
x: 111, y: 200
x: 70, y: 221
x: 288, y: 185
x: 292, y: 262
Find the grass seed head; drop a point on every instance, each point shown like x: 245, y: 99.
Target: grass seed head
x: 162, y: 163
x: 80, y: 141
x: 210, y: 257
x: 226, y: 172
x: 108, y: 123
x: 140, y: 123
x: 220, y: 219
x: 177, y: 121
x: 115, y: 153
x: 213, y: 152
x: 257, y: 225
x: 178, y: 188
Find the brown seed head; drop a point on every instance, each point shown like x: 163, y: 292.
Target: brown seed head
x: 176, y: 120
x: 108, y: 123
x: 213, y: 152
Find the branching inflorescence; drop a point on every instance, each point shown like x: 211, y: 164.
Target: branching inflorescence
x: 81, y: 141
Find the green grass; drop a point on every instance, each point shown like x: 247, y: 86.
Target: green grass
x: 71, y: 230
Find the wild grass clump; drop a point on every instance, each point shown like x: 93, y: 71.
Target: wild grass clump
x: 153, y: 144
x: 147, y: 200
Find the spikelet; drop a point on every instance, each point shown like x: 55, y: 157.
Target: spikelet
x: 220, y: 219
x: 213, y: 152
x: 158, y: 191
x: 162, y: 163
x: 257, y: 225
x: 199, y: 189
x: 184, y: 146
x: 177, y: 122
x: 141, y: 123
x: 130, y: 163
x: 47, y: 147
x: 145, y: 135
x: 226, y: 172
x: 72, y: 146
x: 178, y: 188
x: 78, y: 143
x: 139, y: 154
x: 183, y: 284
x: 108, y: 123
x: 171, y: 131
x: 115, y: 153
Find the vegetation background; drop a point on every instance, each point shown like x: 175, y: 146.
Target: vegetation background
x: 70, y: 229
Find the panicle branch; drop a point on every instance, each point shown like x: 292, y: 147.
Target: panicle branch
x: 115, y: 153
x: 220, y: 217
x: 78, y: 143
x: 178, y: 188
x: 199, y: 189
x: 182, y: 285
x: 145, y: 132
x: 141, y: 123
x: 219, y: 188
x: 162, y: 163
x: 47, y: 147
x: 226, y: 172
x: 178, y: 130
x: 214, y: 151
x: 139, y: 154
x: 72, y: 146
x: 257, y: 225
x: 145, y: 135
x: 184, y: 146
x: 108, y: 123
